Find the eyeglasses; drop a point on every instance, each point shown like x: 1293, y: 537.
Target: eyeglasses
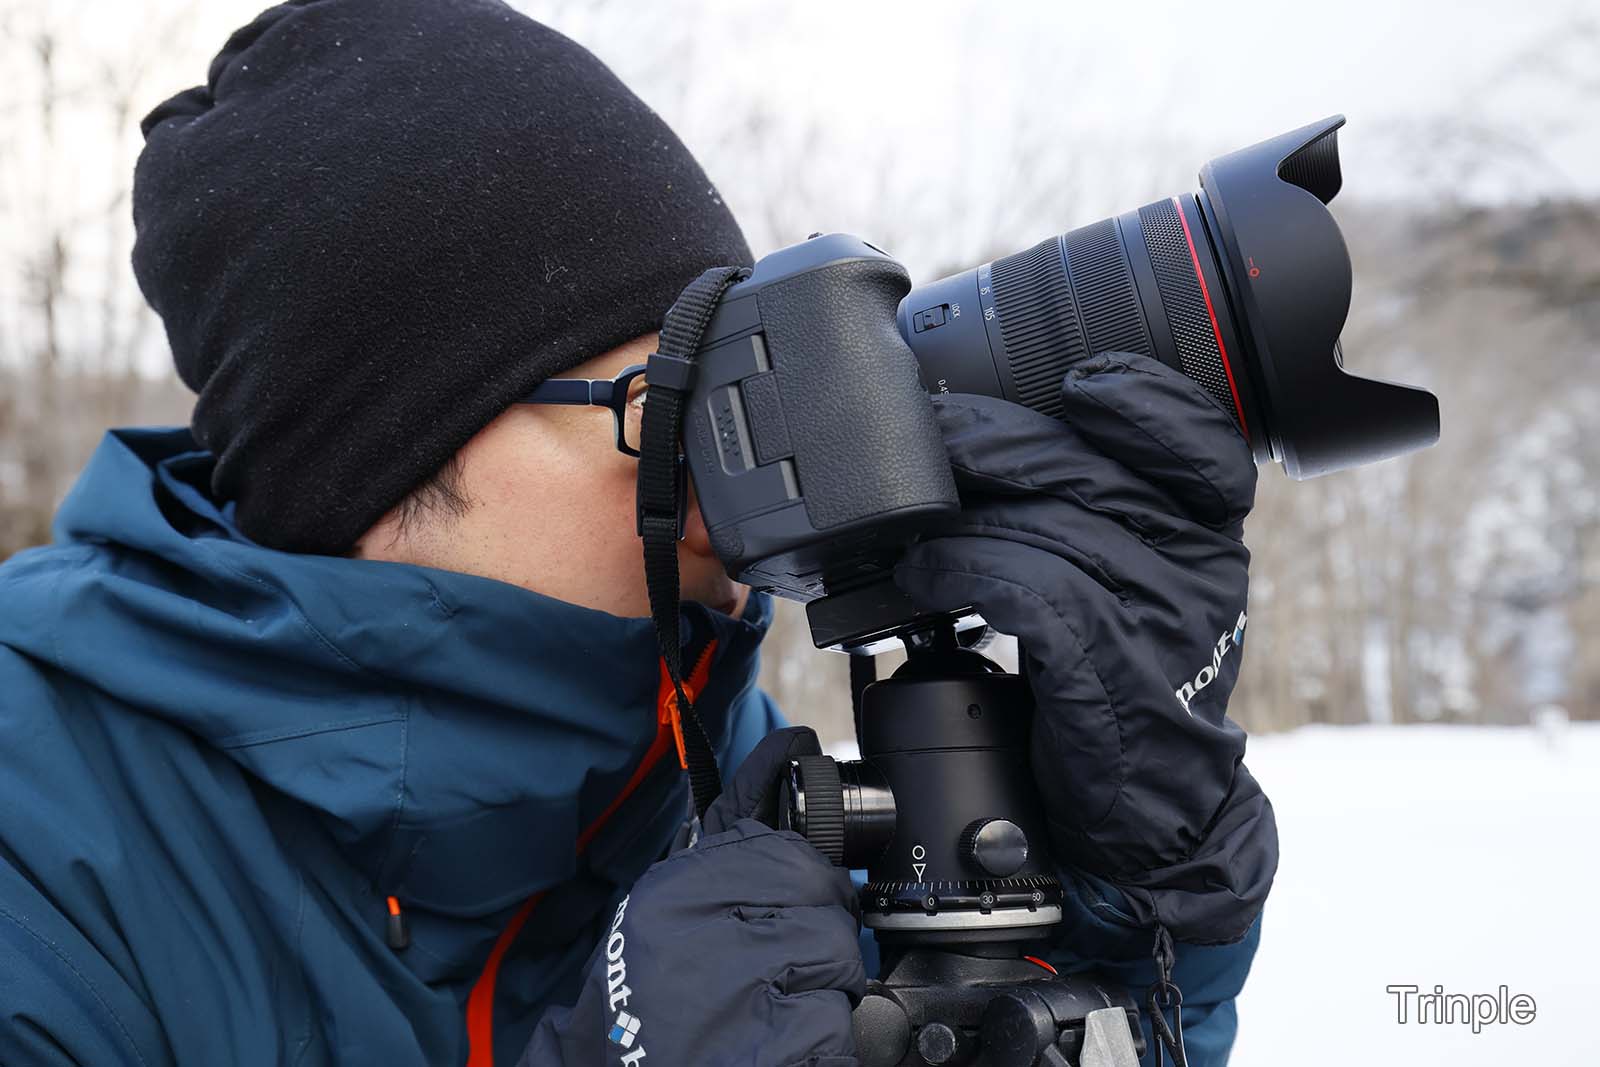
x: 624, y: 395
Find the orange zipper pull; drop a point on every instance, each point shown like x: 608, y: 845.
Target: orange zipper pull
x: 398, y: 937
x: 669, y: 714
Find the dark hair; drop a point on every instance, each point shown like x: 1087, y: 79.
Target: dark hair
x: 442, y: 494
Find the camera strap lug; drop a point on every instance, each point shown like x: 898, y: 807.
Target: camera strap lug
x: 669, y: 372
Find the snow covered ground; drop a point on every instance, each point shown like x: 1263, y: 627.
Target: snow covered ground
x: 1462, y: 857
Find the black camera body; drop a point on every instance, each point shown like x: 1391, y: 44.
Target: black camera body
x: 809, y: 435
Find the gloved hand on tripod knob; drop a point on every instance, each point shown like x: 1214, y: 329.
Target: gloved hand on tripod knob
x: 741, y: 949
x: 1108, y: 542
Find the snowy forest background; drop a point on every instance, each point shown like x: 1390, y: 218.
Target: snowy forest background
x: 1390, y: 606
x: 1460, y: 585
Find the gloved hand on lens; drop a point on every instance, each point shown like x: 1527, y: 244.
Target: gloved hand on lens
x: 1108, y: 543
x: 739, y: 950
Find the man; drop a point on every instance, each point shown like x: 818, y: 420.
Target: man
x: 332, y: 729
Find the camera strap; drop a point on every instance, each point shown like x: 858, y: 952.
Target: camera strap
x: 662, y: 500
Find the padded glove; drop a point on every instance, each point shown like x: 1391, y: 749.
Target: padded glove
x: 1108, y: 542
x: 741, y: 949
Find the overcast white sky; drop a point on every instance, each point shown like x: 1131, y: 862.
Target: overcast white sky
x: 943, y: 77
x: 931, y: 126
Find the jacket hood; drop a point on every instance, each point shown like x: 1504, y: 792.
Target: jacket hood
x: 435, y: 722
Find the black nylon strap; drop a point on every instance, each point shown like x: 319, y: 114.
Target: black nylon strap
x: 670, y: 377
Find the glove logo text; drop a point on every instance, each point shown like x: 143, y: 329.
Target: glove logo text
x: 625, y: 1029
x: 1208, y: 673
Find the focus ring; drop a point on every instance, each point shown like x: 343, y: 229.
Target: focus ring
x: 1179, y: 282
x: 824, y: 805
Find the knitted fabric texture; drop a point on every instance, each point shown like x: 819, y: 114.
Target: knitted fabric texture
x: 379, y: 224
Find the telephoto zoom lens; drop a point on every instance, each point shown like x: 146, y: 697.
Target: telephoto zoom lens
x: 1243, y: 286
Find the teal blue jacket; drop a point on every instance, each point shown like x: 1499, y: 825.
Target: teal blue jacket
x: 219, y: 763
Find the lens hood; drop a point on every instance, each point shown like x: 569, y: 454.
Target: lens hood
x: 1287, y: 265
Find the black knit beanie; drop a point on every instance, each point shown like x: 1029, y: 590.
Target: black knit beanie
x: 379, y: 223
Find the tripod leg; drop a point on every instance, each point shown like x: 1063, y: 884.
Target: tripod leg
x: 1107, y: 1040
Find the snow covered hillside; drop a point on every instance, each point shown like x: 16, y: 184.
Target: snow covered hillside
x: 1462, y: 857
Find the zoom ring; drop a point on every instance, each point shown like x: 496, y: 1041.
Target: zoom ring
x: 1038, y: 322
x: 1102, y: 284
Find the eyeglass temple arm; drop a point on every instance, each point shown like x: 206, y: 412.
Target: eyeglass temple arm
x: 571, y: 391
